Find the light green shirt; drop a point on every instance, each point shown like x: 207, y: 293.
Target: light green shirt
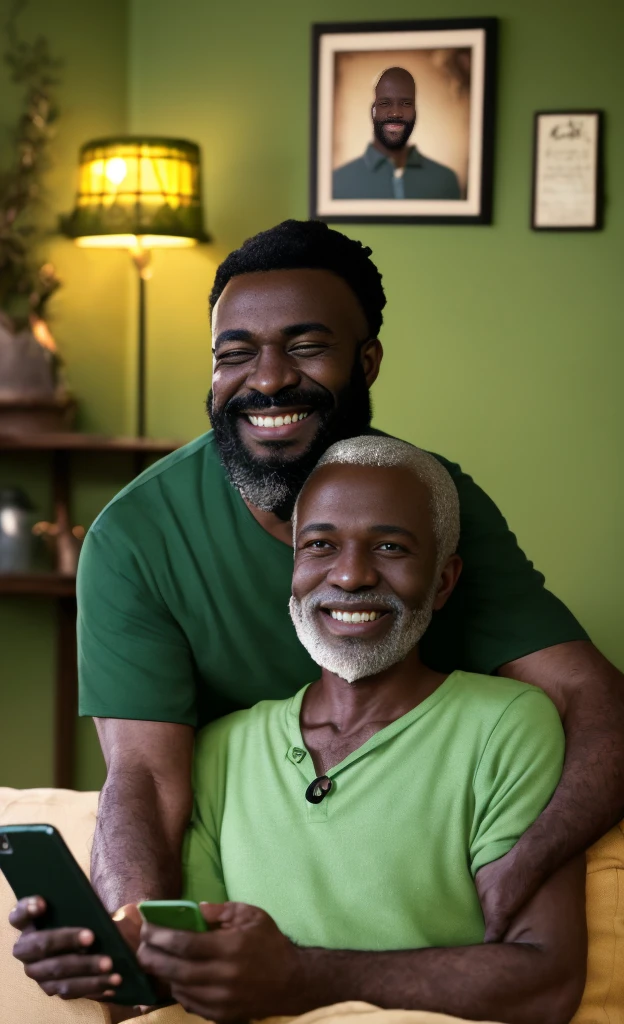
x: 387, y: 860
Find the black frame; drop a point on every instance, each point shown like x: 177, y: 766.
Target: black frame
x: 490, y: 26
x: 599, y: 181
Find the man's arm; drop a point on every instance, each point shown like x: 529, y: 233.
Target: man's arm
x: 248, y: 969
x: 137, y: 681
x: 589, y: 694
x: 144, y: 808
x: 502, y: 614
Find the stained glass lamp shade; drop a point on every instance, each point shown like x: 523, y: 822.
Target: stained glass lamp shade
x: 138, y: 193
x: 133, y: 189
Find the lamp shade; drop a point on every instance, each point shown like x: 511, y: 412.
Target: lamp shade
x: 137, y: 190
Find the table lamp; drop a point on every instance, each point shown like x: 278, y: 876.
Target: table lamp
x: 138, y: 193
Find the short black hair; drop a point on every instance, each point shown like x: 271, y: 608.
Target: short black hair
x: 309, y: 245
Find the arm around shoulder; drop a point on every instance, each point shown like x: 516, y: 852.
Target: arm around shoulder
x: 589, y: 694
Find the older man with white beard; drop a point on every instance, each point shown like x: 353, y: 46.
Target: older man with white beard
x: 343, y: 837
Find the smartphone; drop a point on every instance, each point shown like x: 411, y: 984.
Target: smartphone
x: 36, y: 862
x: 182, y: 914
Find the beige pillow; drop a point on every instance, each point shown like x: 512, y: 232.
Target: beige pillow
x: 603, y: 999
x: 73, y: 814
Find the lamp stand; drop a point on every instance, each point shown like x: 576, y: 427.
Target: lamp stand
x: 141, y: 259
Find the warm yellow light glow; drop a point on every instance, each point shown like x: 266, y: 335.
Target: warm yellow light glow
x: 135, y: 187
x: 134, y: 242
x: 116, y: 170
x: 156, y: 174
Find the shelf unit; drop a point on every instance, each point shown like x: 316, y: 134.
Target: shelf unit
x: 61, y: 587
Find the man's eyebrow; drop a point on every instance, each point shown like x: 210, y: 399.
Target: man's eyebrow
x: 233, y: 334
x: 307, y: 327
x: 389, y: 528
x: 292, y: 331
x: 317, y: 528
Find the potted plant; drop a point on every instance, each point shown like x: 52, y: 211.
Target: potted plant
x: 33, y: 392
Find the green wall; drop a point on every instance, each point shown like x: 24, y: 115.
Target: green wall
x: 89, y: 318
x: 503, y: 347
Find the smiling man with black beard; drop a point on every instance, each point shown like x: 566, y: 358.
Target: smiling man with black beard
x: 390, y: 169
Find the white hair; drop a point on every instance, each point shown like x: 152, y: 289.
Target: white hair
x: 377, y: 450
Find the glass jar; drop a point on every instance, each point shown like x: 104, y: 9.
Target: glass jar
x: 17, y: 544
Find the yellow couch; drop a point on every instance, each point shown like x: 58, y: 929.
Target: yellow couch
x: 22, y: 1002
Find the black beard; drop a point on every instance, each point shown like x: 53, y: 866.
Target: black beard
x: 401, y: 140
x: 273, y: 483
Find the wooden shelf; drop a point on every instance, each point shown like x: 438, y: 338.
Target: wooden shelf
x: 61, y: 587
x: 37, y: 584
x: 75, y: 442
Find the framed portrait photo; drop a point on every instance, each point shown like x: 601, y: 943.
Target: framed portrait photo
x: 402, y: 121
x: 567, y: 171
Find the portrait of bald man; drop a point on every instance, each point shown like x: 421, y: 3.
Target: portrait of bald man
x: 391, y: 168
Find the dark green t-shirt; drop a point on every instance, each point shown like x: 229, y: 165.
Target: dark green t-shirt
x: 183, y: 599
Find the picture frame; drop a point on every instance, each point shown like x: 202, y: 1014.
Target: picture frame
x: 567, y: 189
x: 447, y: 155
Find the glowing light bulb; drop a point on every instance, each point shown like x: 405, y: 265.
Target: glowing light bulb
x: 116, y: 170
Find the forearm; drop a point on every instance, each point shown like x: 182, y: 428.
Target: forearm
x: 590, y: 797
x: 589, y: 694
x: 134, y: 857
x: 510, y: 983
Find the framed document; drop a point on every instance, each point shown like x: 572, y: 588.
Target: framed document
x: 567, y: 171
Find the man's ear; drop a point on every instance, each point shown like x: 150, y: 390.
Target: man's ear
x: 448, y: 580
x: 371, y: 354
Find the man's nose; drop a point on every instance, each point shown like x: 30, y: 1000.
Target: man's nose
x: 273, y: 370
x: 353, y: 569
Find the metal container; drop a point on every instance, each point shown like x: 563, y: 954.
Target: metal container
x: 17, y: 544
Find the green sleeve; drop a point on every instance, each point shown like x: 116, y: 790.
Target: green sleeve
x: 201, y: 858
x: 201, y: 864
x: 500, y: 609
x: 518, y: 773
x: 133, y: 659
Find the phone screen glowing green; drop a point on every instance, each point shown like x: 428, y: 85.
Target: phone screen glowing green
x: 182, y: 914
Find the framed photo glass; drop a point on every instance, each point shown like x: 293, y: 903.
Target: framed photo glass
x: 402, y: 121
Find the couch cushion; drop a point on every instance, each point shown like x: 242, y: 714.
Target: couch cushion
x: 603, y: 999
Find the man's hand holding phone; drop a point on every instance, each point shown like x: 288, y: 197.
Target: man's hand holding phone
x: 58, y: 958
x: 242, y: 968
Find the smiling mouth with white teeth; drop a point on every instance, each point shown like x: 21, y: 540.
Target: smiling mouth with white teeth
x: 342, y: 616
x: 277, y: 421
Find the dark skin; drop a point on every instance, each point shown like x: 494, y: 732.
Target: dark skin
x: 298, y: 342
x: 395, y: 98
x: 364, y: 530
x: 337, y: 717
x: 146, y: 801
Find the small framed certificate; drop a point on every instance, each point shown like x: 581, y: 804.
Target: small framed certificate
x: 567, y: 171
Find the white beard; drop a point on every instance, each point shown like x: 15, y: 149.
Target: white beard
x: 354, y: 658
